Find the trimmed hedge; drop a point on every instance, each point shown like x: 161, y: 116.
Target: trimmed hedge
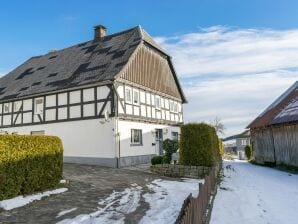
x: 29, y: 164
x: 199, y: 145
x: 157, y: 160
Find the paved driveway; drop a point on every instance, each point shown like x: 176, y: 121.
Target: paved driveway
x: 88, y: 184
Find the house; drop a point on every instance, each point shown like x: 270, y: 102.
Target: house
x: 112, y: 100
x: 274, y: 133
x: 237, y: 143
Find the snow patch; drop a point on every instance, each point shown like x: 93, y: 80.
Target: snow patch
x: 64, y: 212
x: 167, y: 198
x: 21, y: 200
x: 112, y: 209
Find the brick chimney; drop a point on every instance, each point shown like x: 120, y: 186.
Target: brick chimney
x: 99, y: 32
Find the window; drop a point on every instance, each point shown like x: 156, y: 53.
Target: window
x: 128, y: 97
x: 17, y: 106
x: 136, y: 97
x: 174, y: 135
x: 243, y: 142
x: 38, y: 106
x: 7, y: 107
x: 37, y: 132
x: 136, y: 136
x: 175, y: 107
x: 171, y: 106
x: 157, y: 102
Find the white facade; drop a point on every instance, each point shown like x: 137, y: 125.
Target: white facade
x: 91, y: 129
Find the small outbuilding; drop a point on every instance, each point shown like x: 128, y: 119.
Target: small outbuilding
x: 274, y: 133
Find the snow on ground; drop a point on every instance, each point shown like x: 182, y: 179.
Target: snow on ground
x: 165, y: 200
x: 111, y: 209
x: 251, y: 194
x: 64, y: 212
x: 21, y: 200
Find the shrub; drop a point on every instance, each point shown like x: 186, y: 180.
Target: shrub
x: 170, y: 147
x: 221, y: 148
x: 248, y: 152
x: 199, y: 145
x: 157, y: 160
x: 29, y: 164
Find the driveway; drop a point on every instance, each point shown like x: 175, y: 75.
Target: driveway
x: 96, y: 195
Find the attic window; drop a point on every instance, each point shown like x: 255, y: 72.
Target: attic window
x: 24, y: 88
x: 36, y: 84
x: 55, y: 56
x: 118, y: 54
x: 25, y: 73
x: 40, y: 68
x: 52, y: 74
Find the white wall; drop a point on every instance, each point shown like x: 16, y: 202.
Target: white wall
x: 148, y: 132
x: 84, y: 138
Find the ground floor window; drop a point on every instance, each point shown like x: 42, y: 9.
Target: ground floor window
x: 136, y: 136
x: 37, y: 132
x: 174, y: 135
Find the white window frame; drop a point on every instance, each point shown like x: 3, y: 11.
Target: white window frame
x: 175, y: 135
x: 133, y: 134
x: 41, y: 132
x: 157, y: 102
x: 171, y: 105
x: 136, y: 97
x: 17, y: 105
x: 175, y: 107
x: 243, y: 142
x: 128, y: 99
x: 36, y: 103
x: 7, y: 106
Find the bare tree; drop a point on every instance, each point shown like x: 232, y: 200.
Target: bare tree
x: 218, y: 125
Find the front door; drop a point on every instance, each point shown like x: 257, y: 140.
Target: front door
x: 158, y: 140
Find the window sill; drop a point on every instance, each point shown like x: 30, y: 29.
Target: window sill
x: 135, y: 144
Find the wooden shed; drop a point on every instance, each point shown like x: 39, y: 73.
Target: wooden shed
x: 274, y: 133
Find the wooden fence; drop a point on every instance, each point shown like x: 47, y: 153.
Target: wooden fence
x: 198, y: 210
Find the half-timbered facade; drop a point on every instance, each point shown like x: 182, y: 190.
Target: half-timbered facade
x: 111, y: 100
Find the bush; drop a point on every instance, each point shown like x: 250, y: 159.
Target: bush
x: 29, y: 164
x: 157, y: 160
x: 248, y: 152
x: 199, y: 145
x: 170, y: 147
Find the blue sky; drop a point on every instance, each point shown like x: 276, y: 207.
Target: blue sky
x: 220, y: 47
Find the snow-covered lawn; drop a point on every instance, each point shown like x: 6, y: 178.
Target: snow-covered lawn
x: 251, y: 194
x: 165, y: 199
x: 21, y: 200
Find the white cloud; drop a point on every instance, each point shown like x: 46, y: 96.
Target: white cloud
x: 233, y: 73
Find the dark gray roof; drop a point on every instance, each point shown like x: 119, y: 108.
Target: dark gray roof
x: 282, y: 110
x: 288, y: 114
x: 82, y: 64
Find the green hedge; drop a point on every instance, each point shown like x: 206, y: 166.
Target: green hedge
x: 199, y: 145
x: 157, y: 160
x: 29, y: 164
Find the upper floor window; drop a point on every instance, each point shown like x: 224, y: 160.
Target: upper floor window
x: 175, y: 107
x: 171, y: 106
x: 38, y: 106
x: 243, y: 142
x: 128, y: 95
x: 136, y: 136
x: 7, y: 108
x: 157, y: 102
x: 136, y: 97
